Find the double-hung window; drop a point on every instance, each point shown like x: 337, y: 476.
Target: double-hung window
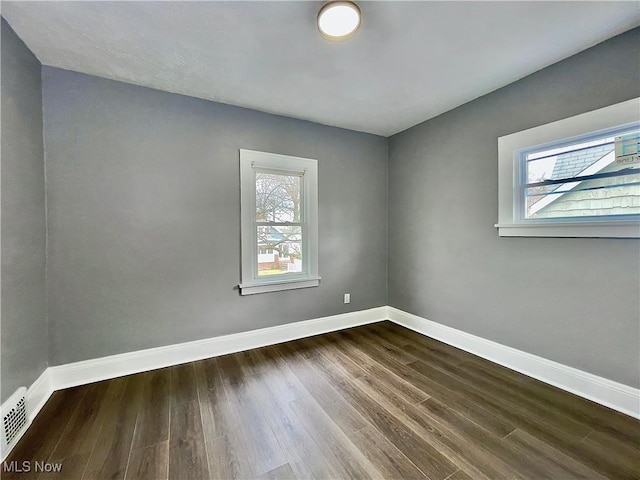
x: 279, y: 222
x: 577, y: 177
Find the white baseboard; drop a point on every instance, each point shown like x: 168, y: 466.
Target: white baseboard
x: 104, y: 368
x: 38, y: 393
x: 601, y: 390
x: 113, y: 366
x: 606, y: 392
x: 88, y: 371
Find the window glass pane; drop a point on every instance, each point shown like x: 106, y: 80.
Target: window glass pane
x: 612, y: 160
x: 278, y: 197
x: 618, y: 195
x: 279, y: 250
x: 578, y: 161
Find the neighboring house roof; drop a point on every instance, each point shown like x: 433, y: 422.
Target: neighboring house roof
x: 614, y: 200
x: 274, y: 235
x: 573, y: 163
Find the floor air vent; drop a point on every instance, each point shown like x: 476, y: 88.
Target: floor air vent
x: 14, y: 418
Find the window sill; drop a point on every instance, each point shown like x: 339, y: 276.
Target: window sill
x: 627, y: 229
x: 278, y: 285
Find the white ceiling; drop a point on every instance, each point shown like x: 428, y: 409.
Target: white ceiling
x: 409, y: 62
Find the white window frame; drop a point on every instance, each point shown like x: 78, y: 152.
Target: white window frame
x: 251, y: 160
x: 510, y: 218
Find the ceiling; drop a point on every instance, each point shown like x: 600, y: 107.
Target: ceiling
x: 409, y: 62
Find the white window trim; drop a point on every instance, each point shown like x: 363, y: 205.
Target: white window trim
x: 250, y: 282
x: 510, y: 223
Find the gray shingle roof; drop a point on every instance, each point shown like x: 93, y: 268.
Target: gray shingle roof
x: 570, y: 164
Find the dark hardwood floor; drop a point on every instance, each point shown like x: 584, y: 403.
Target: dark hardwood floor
x: 377, y: 401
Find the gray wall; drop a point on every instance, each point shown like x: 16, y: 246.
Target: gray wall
x: 575, y: 301
x: 23, y: 297
x: 144, y: 220
x: 143, y: 195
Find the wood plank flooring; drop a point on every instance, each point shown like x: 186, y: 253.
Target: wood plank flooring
x: 377, y: 401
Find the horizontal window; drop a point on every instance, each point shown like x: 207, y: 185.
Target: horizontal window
x: 578, y: 177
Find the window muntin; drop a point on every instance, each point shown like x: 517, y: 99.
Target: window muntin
x: 279, y: 222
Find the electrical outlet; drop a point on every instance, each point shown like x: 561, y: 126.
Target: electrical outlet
x: 347, y: 298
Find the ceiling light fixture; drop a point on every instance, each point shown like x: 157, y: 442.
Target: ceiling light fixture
x: 339, y: 20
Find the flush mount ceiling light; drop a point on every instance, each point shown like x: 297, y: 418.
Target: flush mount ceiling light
x: 338, y: 20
